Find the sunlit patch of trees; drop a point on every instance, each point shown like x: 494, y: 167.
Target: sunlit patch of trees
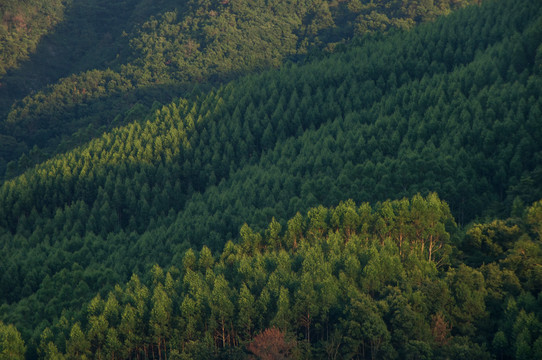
x: 345, y: 282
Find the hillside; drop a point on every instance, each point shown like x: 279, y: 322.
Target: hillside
x: 451, y: 107
x: 105, y: 57
x: 337, y: 283
x: 88, y: 36
x: 22, y: 26
x: 361, y: 282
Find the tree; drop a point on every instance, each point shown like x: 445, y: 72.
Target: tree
x: 160, y: 318
x: 499, y: 344
x: 295, y: 230
x: 440, y: 329
x: 282, y: 319
x: 468, y: 288
x: 206, y: 259
x: 306, y: 303
x: 247, y: 311
x: 534, y: 217
x: 222, y: 307
x: 189, y: 260
x: 113, y: 345
x: 317, y: 220
x: 11, y: 344
x: 365, y: 332
x: 47, y: 350
x: 127, y: 330
x: 439, y: 215
x: 537, y: 348
x: 402, y: 229
x: 250, y: 241
x: 271, y: 345
x: 374, y: 330
x: 97, y: 325
x: 77, y: 347
x: 272, y: 234
x: 523, y: 349
x: 111, y: 309
x: 345, y: 216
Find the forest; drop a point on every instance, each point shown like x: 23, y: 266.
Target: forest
x: 398, y: 280
x: 98, y: 58
x: 372, y: 198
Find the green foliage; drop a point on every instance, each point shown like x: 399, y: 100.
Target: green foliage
x: 306, y: 291
x: 11, y: 344
x: 446, y: 108
x: 106, y: 57
x: 22, y: 27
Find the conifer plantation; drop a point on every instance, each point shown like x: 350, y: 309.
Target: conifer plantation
x: 271, y: 179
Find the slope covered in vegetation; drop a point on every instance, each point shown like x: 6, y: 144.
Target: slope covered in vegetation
x: 346, y: 282
x: 452, y: 107
x: 22, y: 26
x: 88, y: 36
x: 108, y: 56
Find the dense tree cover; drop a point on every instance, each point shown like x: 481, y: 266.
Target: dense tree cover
x: 22, y: 25
x: 360, y: 282
x: 179, y: 43
x: 452, y: 107
x: 11, y: 344
x: 90, y: 38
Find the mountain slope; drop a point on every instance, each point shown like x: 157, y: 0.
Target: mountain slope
x: 22, y: 26
x: 452, y: 107
x: 109, y: 56
x: 388, y: 281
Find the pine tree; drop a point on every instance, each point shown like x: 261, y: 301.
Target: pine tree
x: 11, y: 344
x: 77, y: 347
x: 246, y: 316
x: 222, y: 308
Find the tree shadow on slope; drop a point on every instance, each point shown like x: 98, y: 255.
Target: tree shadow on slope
x: 92, y: 36
x: 80, y: 122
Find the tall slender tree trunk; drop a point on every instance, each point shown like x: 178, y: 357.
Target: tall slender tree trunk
x: 430, y: 247
x: 401, y: 245
x: 423, y: 246
x: 159, y: 349
x: 223, y: 334
x: 308, y: 327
